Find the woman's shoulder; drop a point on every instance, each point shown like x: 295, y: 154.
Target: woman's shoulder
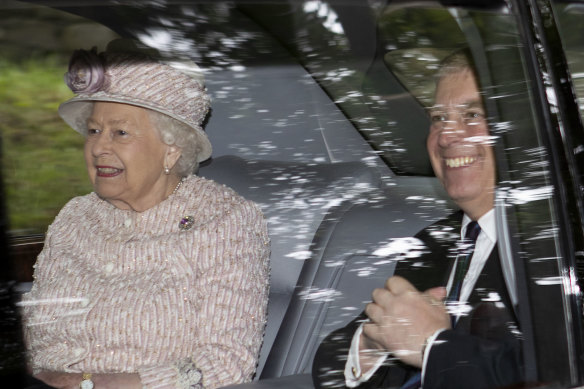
x: 214, y: 199
x: 74, y: 203
x: 79, y: 204
x: 211, y: 191
x: 78, y: 208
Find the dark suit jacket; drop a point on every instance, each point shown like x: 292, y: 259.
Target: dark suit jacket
x: 484, y: 349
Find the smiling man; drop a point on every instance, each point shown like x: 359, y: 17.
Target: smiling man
x: 458, y: 143
x: 447, y: 322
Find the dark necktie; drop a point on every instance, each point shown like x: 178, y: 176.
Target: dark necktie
x: 462, y: 262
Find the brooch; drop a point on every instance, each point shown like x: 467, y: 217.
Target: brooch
x: 186, y: 223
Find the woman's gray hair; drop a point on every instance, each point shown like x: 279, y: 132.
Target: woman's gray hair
x: 175, y: 133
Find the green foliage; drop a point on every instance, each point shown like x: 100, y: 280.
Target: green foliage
x: 420, y: 27
x: 43, y: 165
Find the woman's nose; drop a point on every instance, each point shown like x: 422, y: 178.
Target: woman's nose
x: 101, y: 144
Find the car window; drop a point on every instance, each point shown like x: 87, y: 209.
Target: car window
x: 529, y: 211
x: 278, y: 139
x: 412, y: 39
x: 568, y: 15
x: 320, y: 115
x: 42, y: 163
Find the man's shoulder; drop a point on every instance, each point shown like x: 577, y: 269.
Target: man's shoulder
x: 443, y: 232
x: 430, y: 269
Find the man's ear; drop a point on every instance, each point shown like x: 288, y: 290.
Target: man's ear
x: 173, y: 153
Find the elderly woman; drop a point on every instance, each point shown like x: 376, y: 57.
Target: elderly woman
x: 159, y: 278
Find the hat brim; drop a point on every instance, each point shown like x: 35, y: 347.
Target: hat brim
x: 75, y: 113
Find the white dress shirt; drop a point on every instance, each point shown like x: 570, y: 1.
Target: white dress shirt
x: 484, y: 245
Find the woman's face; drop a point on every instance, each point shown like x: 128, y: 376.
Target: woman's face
x: 125, y: 157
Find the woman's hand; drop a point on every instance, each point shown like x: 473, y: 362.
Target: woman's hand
x: 62, y: 380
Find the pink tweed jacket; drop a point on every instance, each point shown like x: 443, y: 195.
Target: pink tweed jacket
x: 119, y: 291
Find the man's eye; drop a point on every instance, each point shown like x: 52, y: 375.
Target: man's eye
x: 474, y: 115
x: 437, y: 117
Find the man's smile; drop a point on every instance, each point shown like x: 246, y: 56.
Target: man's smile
x: 459, y: 161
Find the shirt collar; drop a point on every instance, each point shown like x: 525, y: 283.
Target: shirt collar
x: 487, y: 223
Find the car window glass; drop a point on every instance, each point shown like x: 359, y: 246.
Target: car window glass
x: 528, y: 210
x: 569, y: 16
x: 302, y: 94
x: 528, y: 219
x: 42, y: 162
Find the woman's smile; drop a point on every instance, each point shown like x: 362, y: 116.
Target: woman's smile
x: 107, y: 171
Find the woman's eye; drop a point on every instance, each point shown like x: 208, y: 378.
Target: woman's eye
x: 92, y: 131
x: 121, y: 132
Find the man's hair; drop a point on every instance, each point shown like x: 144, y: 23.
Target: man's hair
x: 456, y: 62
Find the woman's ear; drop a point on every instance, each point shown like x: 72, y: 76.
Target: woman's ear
x: 172, y: 155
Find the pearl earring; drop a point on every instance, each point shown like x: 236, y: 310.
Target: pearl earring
x: 166, y: 170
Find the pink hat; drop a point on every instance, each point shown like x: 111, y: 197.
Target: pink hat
x: 136, y: 79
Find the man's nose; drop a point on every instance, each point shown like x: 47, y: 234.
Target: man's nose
x: 453, y: 129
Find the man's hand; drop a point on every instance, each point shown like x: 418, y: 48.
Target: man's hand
x: 401, y: 319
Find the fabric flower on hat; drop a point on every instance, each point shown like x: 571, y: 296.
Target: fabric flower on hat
x: 127, y: 75
x: 86, y: 72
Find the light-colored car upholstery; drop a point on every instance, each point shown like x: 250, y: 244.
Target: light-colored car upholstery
x: 354, y: 251
x: 294, y: 198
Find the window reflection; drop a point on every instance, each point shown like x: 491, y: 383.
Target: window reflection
x: 377, y: 79
x: 42, y: 156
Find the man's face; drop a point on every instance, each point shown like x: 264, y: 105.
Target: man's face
x: 459, y: 144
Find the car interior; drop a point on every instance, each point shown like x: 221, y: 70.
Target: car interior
x: 280, y: 141
x: 333, y: 154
